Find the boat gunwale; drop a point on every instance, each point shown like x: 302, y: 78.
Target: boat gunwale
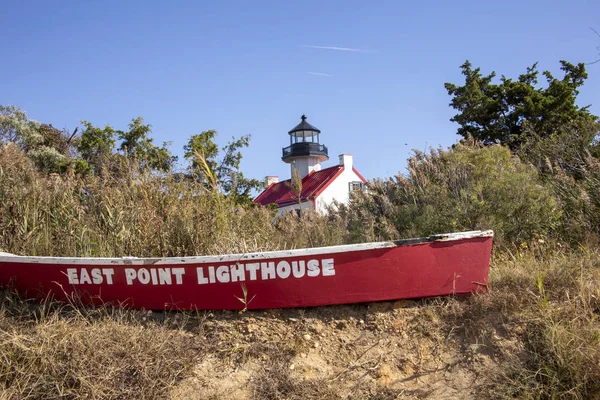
x: 238, y: 257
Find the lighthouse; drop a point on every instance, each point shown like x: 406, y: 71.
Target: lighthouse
x: 319, y: 187
x: 305, y: 153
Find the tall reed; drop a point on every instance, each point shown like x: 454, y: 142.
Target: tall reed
x: 142, y: 214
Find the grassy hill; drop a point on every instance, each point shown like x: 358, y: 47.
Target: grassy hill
x: 535, y: 334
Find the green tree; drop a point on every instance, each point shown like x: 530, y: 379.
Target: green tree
x: 137, y: 145
x: 499, y: 112
x: 202, y: 152
x: 223, y: 174
x: 96, y: 146
x: 51, y: 149
x: 13, y: 121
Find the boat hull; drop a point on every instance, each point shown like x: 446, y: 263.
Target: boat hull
x: 439, y: 265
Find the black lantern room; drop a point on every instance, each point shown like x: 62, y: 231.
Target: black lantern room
x: 304, y: 142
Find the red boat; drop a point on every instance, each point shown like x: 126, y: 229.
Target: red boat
x: 448, y: 264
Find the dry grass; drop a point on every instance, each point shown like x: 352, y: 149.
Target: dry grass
x: 540, y: 320
x: 534, y: 335
x: 51, y: 351
x: 143, y: 215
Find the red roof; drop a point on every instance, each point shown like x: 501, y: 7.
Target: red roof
x: 312, y: 185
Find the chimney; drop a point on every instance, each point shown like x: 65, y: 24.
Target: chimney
x: 346, y: 161
x: 271, y: 180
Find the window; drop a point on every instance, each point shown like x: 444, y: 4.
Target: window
x: 356, y: 186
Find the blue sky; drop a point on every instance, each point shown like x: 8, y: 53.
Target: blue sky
x: 244, y: 67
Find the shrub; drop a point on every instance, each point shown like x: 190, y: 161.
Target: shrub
x: 569, y: 164
x: 466, y: 187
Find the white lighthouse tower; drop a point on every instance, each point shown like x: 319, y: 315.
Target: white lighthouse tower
x: 304, y: 154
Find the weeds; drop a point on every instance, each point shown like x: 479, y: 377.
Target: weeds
x: 53, y: 351
x: 149, y: 216
x: 537, y: 326
x: 244, y: 299
x: 541, y: 319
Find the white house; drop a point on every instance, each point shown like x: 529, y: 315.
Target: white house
x: 320, y: 187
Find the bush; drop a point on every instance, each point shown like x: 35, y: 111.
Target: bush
x: 466, y: 187
x: 568, y: 162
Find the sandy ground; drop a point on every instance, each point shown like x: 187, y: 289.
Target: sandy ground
x: 387, y: 350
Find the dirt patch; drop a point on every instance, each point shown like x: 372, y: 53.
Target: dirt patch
x: 386, y: 350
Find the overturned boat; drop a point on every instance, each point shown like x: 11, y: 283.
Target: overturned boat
x: 448, y: 264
